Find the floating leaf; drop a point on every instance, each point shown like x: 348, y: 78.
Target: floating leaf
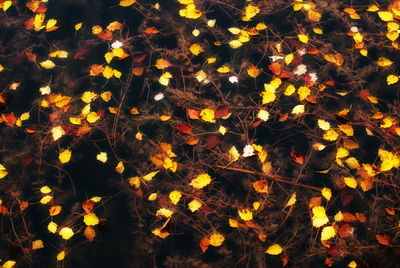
x: 274, y: 249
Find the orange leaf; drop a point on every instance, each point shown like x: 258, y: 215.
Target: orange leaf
x: 348, y: 217
x: 151, y: 30
x: 253, y: 71
x: 193, y: 114
x: 23, y: 205
x: 96, y: 69
x: 9, y: 119
x: 55, y: 210
x: 204, y: 243
x: 115, y: 25
x: 383, y: 239
x: 90, y: 233
x: 138, y: 71
x: 276, y: 68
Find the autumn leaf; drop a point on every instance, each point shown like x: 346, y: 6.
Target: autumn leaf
x: 383, y: 239
x: 89, y: 233
x: 126, y: 3
x: 274, y: 249
x: 201, y: 181
x: 216, y: 239
x: 253, y: 71
x: 64, y: 156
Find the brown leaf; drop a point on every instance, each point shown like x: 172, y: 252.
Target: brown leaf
x: 90, y: 233
x: 346, y: 230
x: 88, y: 206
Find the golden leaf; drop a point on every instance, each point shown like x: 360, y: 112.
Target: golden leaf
x: 274, y: 249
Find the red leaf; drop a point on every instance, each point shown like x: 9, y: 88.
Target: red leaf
x: 212, y: 141
x: 185, y: 129
x: 88, y: 206
x: 256, y: 123
x: 297, y: 157
x: 346, y: 197
x: 221, y: 112
x: 140, y: 59
x: 9, y: 119
x: 80, y: 54
x: 346, y: 230
x: 330, y: 83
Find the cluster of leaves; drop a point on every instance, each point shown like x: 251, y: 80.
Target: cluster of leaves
x: 207, y: 132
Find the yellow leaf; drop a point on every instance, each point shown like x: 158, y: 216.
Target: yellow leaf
x: 346, y: 129
x: 352, y: 264
x: 350, y: 182
x: 52, y: 227
x: 175, y: 196
x: 164, y: 212
x: 152, y: 197
x: 389, y: 160
x: 59, y: 53
x: 339, y: 216
x: 61, y: 256
x: 150, y: 176
x: 207, y: 115
x: 327, y: 233
x: 256, y: 205
x: 55, y: 210
x: 373, y: 8
x: 45, y: 190
x: 108, y: 72
x: 66, y: 233
x: 194, y: 205
x: 211, y: 60
x: 196, y: 32
x: 162, y: 64
x: 164, y: 78
x: 298, y: 109
x: 289, y: 90
x: 292, y: 200
x: 190, y: 12
x: 233, y: 223
x: 201, y: 181
x: 327, y: 193
x: 134, y: 181
x: 223, y: 69
x: 196, y: 49
x: 216, y: 239
x: 288, y: 59
x: 318, y: 30
x: 46, y: 199
x: 253, y: 71
x: 385, y: 15
x: 200, y: 76
x: 383, y: 62
x: 319, y: 217
x: 392, y: 79
x: 102, y: 157
x: 37, y: 244
x: 96, y: 199
x: 126, y: 3
x: 91, y: 219
x: 45, y: 90
x: 88, y: 96
x: 108, y: 56
x: 6, y: 5
x: 314, y: 15
x: 352, y: 162
x: 324, y: 125
x: 50, y: 25
x: 342, y: 152
x: 274, y: 249
x: 233, y: 154
x: 92, y: 117
x: 245, y: 214
x: 250, y: 11
x: 64, y: 156
x: 120, y: 167
x: 263, y: 115
x: 303, y: 92
x: 303, y: 38
x: 47, y: 64
x: 330, y: 135
x: 222, y: 130
x: 160, y: 233
x: 334, y: 58
x: 106, y: 96
x: 78, y: 26
x: 57, y: 132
